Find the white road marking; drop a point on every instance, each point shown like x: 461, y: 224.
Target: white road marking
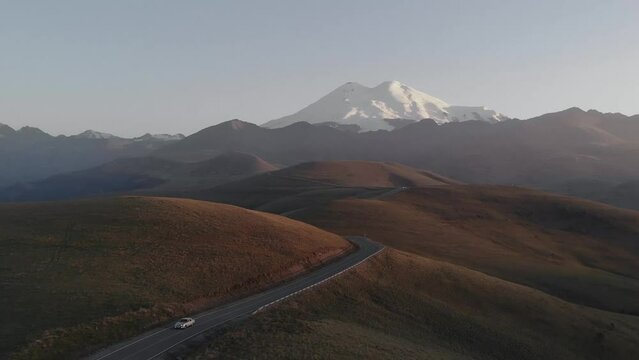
x: 127, y: 345
x: 318, y: 283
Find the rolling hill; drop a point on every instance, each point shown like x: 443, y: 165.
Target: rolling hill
x: 144, y: 175
x: 624, y: 194
x: 91, y: 272
x: 549, y: 152
x: 470, y: 272
x: 363, y: 174
x: 402, y: 305
x: 583, y: 252
x: 315, y: 183
x: 545, y: 152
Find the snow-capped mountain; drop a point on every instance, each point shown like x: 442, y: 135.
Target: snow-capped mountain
x: 160, y: 137
x: 92, y: 134
x: 372, y: 108
x: 96, y: 135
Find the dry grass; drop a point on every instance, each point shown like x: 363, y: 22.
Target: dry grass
x: 580, y: 251
x: 364, y: 174
x: 401, y: 306
x: 317, y: 183
x: 488, y: 273
x: 91, y: 272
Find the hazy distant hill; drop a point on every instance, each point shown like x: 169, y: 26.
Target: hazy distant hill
x: 290, y: 145
x: 29, y: 153
x: 148, y: 175
x: 550, y: 152
x: 315, y: 183
x: 543, y: 152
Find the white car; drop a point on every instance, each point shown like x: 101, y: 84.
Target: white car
x: 184, y: 323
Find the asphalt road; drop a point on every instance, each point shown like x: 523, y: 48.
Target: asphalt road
x: 155, y: 343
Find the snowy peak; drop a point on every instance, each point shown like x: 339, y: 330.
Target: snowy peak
x: 95, y: 135
x: 235, y: 125
x: 159, y: 137
x: 372, y: 108
x: 481, y: 113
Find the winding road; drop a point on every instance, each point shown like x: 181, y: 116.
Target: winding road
x: 156, y: 343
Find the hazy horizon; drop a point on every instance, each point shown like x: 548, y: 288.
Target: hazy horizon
x: 166, y: 67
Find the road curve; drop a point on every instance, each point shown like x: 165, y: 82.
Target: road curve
x: 157, y: 342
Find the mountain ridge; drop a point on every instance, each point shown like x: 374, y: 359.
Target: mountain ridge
x: 30, y: 154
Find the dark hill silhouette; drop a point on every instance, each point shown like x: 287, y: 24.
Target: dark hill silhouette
x: 543, y: 152
x: 315, y: 183
x: 148, y: 175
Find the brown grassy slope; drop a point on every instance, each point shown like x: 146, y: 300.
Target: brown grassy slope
x: 315, y: 183
x: 584, y: 252
x: 73, y: 263
x: 232, y: 163
x: 364, y: 173
x: 403, y: 306
x: 625, y: 194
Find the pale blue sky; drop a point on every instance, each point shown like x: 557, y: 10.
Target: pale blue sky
x: 128, y: 67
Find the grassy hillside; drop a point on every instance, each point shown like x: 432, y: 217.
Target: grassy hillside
x: 316, y: 183
x: 91, y: 272
x: 625, y: 194
x: 404, y: 306
x: 364, y: 174
x: 581, y: 251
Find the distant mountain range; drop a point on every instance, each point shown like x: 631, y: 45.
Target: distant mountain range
x: 28, y: 132
x: 316, y: 183
x: 564, y: 146
x: 387, y: 106
x: 30, y: 154
x: 552, y: 152
x: 583, y: 153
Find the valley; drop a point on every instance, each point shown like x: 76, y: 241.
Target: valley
x: 338, y: 180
